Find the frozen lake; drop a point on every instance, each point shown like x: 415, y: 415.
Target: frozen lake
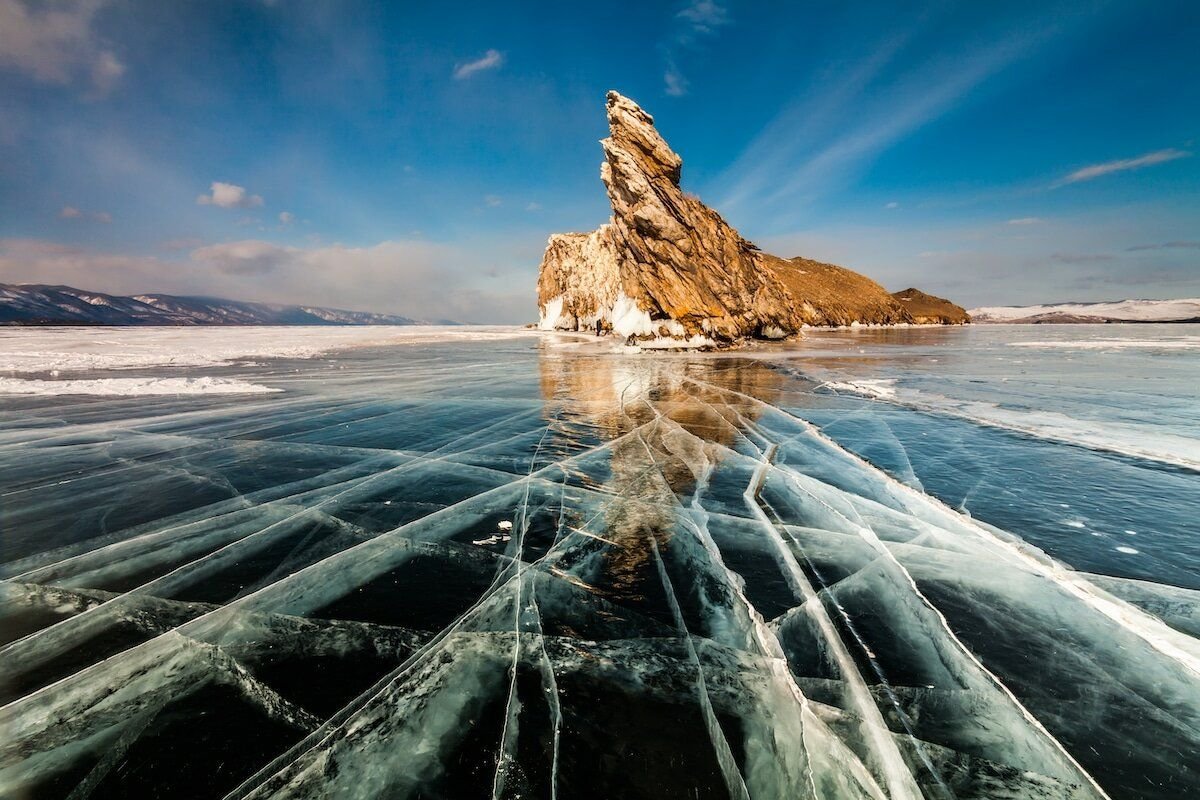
x: 487, y: 562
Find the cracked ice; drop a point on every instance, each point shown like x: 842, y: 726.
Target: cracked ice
x: 508, y: 570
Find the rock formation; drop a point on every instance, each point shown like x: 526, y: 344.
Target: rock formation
x: 666, y: 265
x: 928, y: 309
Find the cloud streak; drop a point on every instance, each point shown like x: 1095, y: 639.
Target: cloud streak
x: 1122, y: 165
x: 492, y: 59
x: 70, y: 212
x: 697, y: 20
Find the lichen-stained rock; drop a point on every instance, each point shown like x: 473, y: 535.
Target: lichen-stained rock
x: 666, y: 265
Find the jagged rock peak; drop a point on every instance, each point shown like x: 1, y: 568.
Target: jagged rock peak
x: 632, y: 130
x: 668, y: 266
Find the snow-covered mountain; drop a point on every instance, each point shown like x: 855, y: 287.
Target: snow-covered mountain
x: 34, y: 304
x: 1183, y: 310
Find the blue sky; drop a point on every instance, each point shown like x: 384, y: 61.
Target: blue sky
x: 413, y: 159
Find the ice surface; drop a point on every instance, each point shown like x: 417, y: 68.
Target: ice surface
x: 540, y: 568
x: 1130, y: 392
x: 1114, y: 343
x: 128, y: 387
x: 26, y: 350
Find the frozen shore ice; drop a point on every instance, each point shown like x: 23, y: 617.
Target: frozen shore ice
x: 518, y: 570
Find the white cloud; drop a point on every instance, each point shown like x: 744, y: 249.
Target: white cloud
x: 533, y: 207
x: 70, y: 212
x: 1026, y: 221
x: 492, y: 59
x: 892, y: 204
x: 286, y: 217
x: 493, y: 201
x: 55, y: 43
x: 229, y: 195
x: 1122, y: 165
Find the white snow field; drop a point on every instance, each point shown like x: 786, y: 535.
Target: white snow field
x: 1133, y: 310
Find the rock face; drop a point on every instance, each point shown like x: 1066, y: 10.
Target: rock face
x: 666, y: 265
x: 928, y: 309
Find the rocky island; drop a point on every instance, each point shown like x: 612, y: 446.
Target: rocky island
x: 668, y: 267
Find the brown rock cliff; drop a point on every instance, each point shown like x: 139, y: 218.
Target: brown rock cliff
x: 666, y: 265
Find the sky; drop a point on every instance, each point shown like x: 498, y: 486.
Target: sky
x: 413, y: 158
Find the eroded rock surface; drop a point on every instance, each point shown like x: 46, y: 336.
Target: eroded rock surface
x: 666, y: 265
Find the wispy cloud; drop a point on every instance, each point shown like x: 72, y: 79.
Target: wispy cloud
x: 286, y: 217
x: 697, y: 20
x: 1026, y: 221
x: 493, y: 201
x: 1122, y: 165
x: 844, y: 122
x: 492, y: 59
x: 70, y: 212
x: 1080, y: 258
x: 1166, y: 246
x: 229, y: 195
x: 892, y: 205
x: 57, y: 43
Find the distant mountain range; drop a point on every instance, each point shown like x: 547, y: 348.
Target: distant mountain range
x: 33, y: 304
x: 1184, y: 310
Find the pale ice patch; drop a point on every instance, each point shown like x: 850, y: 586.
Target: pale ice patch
x: 26, y: 350
x: 880, y: 388
x: 628, y: 319
x: 1115, y: 437
x: 130, y: 387
x: 1161, y: 343
x: 774, y: 332
x: 694, y: 342
x: 551, y: 314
